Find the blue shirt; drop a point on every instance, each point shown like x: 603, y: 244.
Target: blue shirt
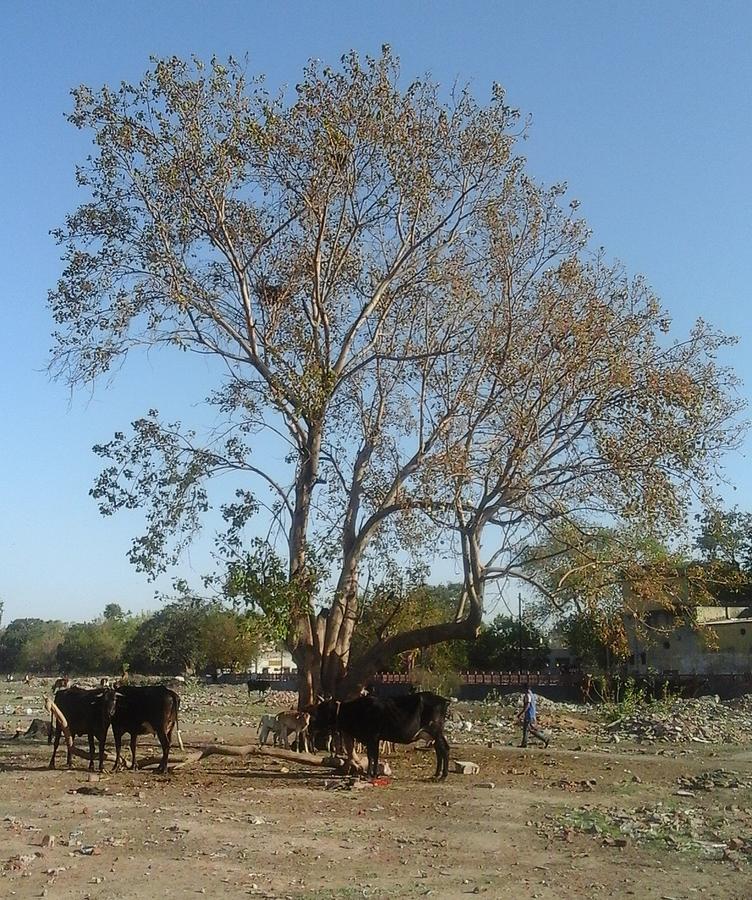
x: 529, y: 701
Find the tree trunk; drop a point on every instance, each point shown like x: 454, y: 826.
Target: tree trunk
x: 302, y: 639
x: 340, y: 623
x: 465, y: 626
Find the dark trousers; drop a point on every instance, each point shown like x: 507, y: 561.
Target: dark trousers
x: 528, y: 726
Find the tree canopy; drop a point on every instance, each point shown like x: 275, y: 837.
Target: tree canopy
x: 30, y: 645
x: 418, y: 351
x: 509, y: 643
x: 191, y: 636
x: 90, y: 648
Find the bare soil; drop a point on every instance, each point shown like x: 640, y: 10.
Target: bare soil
x: 533, y: 823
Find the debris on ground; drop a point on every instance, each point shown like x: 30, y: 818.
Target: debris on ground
x: 688, y: 829
x: 716, y: 778
x: 705, y: 720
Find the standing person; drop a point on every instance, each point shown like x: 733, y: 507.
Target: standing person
x: 528, y: 718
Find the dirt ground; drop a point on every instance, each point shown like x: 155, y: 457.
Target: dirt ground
x: 535, y: 823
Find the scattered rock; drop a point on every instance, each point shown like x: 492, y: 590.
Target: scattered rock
x: 466, y: 768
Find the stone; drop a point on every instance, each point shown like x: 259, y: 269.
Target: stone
x: 464, y: 767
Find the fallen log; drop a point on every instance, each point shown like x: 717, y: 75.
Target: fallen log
x: 84, y: 754
x: 310, y: 759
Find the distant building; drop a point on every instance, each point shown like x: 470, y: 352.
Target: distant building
x: 717, y: 642
x: 273, y: 661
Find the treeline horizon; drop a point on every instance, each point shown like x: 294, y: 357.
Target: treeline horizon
x: 194, y: 637
x: 180, y: 638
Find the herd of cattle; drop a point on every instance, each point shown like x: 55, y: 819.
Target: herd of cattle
x: 135, y: 710
x: 127, y: 709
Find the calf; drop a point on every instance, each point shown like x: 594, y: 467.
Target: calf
x: 86, y: 712
x: 398, y: 719
x: 268, y: 725
x: 152, y: 709
x: 294, y: 723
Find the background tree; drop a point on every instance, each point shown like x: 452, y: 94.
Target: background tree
x: 113, y: 612
x: 596, y: 579
x: 725, y: 545
x: 596, y: 637
x: 30, y: 645
x: 508, y: 644
x: 168, y: 642
x: 230, y: 641
x: 726, y: 536
x: 97, y: 647
x: 416, y: 328
x: 192, y: 636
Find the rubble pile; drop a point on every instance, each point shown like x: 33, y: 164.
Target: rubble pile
x: 494, y: 720
x: 281, y: 699
x: 705, y: 720
x: 464, y: 729
x: 680, y: 829
x: 512, y: 703
x: 716, y: 778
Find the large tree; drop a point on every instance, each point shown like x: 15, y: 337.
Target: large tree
x: 413, y: 342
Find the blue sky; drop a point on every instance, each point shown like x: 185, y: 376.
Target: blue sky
x: 645, y: 109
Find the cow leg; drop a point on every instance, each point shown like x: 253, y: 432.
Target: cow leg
x: 102, y: 742
x: 91, y: 751
x: 58, y: 731
x: 283, y: 736
x: 69, y: 760
x: 134, y: 740
x: 372, y: 749
x: 348, y: 750
x: 164, y: 740
x: 118, y: 735
x: 441, y: 745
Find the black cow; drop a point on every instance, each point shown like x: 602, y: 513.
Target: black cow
x: 261, y: 685
x: 152, y: 709
x: 398, y: 719
x: 87, y: 712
